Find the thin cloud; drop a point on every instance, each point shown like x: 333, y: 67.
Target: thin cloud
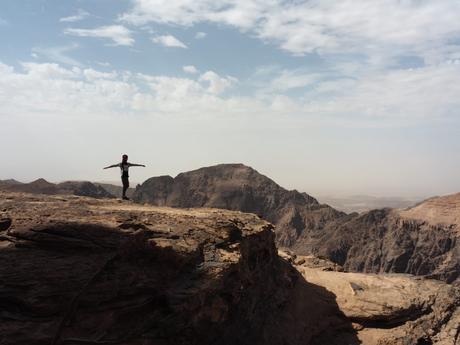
x: 169, y: 41
x: 293, y: 79
x: 200, y: 35
x: 216, y: 83
x: 82, y: 14
x: 190, y: 69
x: 120, y: 35
x: 103, y: 64
x: 57, y: 54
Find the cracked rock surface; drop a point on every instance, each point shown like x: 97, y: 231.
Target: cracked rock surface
x: 389, y: 308
x: 76, y: 270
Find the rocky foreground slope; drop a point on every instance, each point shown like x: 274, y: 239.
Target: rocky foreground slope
x: 87, y: 271
x: 77, y: 270
x: 422, y: 241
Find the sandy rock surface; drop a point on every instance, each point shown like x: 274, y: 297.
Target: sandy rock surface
x: 389, y: 308
x: 77, y: 270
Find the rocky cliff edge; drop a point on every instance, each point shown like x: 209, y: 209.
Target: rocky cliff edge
x: 77, y: 270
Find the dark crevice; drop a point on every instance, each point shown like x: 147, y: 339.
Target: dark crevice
x: 410, y: 315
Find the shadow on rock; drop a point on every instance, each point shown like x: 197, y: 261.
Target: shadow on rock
x: 93, y: 284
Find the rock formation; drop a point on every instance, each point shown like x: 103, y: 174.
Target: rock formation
x: 41, y: 186
x: 115, y: 190
x: 423, y: 240
x: 83, y: 188
x: 388, y: 309
x: 77, y: 270
x: 420, y: 241
x: 238, y: 187
x: 9, y: 182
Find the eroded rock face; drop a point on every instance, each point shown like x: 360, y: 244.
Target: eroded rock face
x: 114, y: 189
x: 239, y: 187
x: 422, y: 241
x: 389, y: 308
x: 78, y: 270
x: 83, y: 188
x: 385, y: 241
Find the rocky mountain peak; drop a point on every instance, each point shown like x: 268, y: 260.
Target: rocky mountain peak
x: 41, y: 182
x: 242, y: 188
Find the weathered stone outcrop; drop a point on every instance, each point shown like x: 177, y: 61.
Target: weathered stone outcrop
x: 385, y: 241
x: 78, y: 270
x: 422, y: 241
x: 115, y: 190
x: 239, y: 187
x: 389, y: 308
x: 83, y: 188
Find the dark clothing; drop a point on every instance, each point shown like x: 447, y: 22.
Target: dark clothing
x: 125, y: 181
x: 124, y: 169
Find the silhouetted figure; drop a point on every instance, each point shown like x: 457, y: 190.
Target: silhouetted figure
x: 124, y: 167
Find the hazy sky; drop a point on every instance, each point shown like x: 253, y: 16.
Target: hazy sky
x: 329, y: 97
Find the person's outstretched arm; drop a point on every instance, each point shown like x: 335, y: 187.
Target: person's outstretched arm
x: 112, y: 166
x: 136, y: 165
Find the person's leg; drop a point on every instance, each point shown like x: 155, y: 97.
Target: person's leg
x: 125, y: 181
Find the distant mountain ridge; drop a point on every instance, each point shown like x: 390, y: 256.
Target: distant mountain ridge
x: 41, y: 186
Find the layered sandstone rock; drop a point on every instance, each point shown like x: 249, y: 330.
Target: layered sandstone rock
x: 78, y: 270
x: 389, y: 308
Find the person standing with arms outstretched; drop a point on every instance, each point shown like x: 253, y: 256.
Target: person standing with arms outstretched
x: 124, y: 167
